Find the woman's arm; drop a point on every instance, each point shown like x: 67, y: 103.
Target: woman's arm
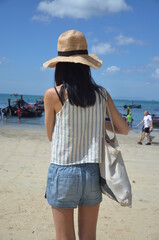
x: 142, y: 122
x: 120, y: 125
x: 49, y: 113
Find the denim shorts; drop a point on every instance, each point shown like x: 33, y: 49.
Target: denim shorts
x: 73, y: 185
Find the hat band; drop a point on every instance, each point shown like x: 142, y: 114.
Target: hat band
x: 71, y: 53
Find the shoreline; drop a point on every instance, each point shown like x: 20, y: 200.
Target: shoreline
x: 32, y: 125
x: 21, y: 125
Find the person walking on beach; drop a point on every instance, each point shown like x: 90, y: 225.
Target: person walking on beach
x: 147, y: 128
x: 129, y: 119
x: 74, y: 115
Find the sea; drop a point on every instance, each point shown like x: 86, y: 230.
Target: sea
x: 137, y: 113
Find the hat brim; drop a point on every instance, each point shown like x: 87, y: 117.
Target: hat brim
x: 86, y: 59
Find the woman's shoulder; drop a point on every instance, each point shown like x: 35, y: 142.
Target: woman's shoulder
x: 50, y: 97
x: 49, y: 93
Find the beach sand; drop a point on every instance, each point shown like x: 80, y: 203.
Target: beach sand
x: 25, y: 213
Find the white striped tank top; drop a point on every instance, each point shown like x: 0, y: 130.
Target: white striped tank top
x: 77, y: 135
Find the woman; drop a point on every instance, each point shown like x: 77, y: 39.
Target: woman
x: 74, y: 117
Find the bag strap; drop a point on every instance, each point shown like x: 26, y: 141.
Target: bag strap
x: 59, y: 96
x: 110, y: 116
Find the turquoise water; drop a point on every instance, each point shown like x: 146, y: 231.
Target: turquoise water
x: 151, y: 106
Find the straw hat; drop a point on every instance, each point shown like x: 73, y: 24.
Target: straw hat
x: 72, y: 47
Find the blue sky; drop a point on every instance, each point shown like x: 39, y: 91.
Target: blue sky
x: 124, y: 34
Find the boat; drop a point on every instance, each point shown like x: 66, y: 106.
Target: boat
x: 155, y: 119
x: 28, y: 110
x: 132, y: 106
x: 39, y: 103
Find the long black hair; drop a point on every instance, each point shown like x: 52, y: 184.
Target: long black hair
x: 77, y: 80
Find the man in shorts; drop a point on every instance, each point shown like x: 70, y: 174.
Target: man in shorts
x: 147, y: 128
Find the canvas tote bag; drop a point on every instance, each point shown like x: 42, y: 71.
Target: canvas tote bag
x: 114, y: 179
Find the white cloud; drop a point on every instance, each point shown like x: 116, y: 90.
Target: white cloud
x: 155, y: 59
x: 154, y: 63
x: 83, y: 9
x: 132, y: 70
x: 102, y: 48
x: 155, y: 74
x: 3, y: 60
x: 135, y: 69
x: 41, y: 18
x: 112, y: 69
x: 110, y: 29
x: 122, y: 40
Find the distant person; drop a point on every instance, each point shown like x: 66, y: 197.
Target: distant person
x: 129, y: 119
x: 147, y: 128
x: 9, y: 107
x: 74, y: 121
x: 128, y: 110
x: 6, y: 113
x: 19, y: 111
